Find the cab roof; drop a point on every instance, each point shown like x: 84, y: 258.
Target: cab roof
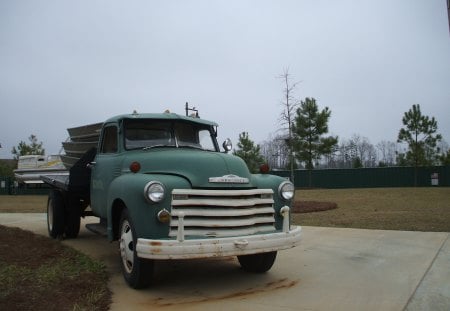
x: 161, y: 116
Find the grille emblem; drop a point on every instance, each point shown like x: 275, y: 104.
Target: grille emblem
x: 229, y: 179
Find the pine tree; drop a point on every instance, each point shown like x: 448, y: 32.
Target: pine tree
x: 419, y: 132
x: 309, y: 128
x: 249, y: 152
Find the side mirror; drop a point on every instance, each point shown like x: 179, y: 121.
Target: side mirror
x: 227, y: 145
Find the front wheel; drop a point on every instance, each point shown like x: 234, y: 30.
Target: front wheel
x: 257, y: 263
x: 136, y: 271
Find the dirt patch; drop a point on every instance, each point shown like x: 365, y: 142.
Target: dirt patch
x: 312, y: 206
x: 38, y: 273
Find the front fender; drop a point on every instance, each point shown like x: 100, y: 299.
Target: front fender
x: 129, y: 189
x: 267, y: 181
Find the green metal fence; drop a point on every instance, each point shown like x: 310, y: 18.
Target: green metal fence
x: 42, y: 190
x: 8, y: 186
x: 4, y: 185
x: 436, y: 176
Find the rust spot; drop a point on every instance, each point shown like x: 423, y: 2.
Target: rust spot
x: 156, y: 243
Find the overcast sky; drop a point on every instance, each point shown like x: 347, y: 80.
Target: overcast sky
x: 69, y: 63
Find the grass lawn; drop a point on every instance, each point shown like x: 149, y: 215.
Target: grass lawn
x: 411, y: 209
x: 23, y: 203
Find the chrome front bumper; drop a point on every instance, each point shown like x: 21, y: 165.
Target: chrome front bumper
x: 220, y: 247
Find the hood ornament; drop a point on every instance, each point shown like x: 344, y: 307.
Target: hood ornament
x: 229, y: 179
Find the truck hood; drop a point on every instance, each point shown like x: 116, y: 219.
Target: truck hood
x: 203, y: 169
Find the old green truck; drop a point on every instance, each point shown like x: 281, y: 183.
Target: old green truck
x: 162, y: 187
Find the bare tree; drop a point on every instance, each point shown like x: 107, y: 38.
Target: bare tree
x: 387, y: 151
x: 363, y: 150
x: 276, y: 152
x: 348, y: 154
x: 356, y: 152
x: 371, y: 157
x: 287, y: 116
x: 342, y: 155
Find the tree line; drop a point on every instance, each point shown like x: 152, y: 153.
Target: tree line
x: 303, y: 140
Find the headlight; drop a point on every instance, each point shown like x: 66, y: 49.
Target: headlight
x: 154, y: 192
x: 286, y: 190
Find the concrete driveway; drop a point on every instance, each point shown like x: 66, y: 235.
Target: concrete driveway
x: 333, y: 269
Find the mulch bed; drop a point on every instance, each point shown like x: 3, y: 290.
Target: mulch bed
x: 39, y: 273
x: 312, y: 206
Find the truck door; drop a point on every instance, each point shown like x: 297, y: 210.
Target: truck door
x: 107, y: 167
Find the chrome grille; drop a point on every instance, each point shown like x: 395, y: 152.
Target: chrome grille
x: 222, y: 213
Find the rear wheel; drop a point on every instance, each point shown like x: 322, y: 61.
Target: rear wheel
x: 73, y: 219
x: 137, y: 271
x: 55, y: 214
x: 257, y: 263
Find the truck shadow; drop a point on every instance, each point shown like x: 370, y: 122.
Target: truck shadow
x: 186, y: 282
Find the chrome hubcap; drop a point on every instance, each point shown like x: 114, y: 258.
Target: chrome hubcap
x: 127, y: 246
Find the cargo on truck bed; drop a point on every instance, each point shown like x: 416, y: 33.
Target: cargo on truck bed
x: 81, y: 139
x: 30, y: 167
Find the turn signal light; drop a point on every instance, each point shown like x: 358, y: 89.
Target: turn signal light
x: 164, y: 216
x: 264, y: 168
x: 135, y: 167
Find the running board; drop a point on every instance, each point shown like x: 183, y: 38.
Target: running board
x: 98, y: 228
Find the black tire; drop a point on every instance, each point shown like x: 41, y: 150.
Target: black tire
x: 138, y: 272
x: 257, y: 263
x: 73, y: 220
x: 55, y: 214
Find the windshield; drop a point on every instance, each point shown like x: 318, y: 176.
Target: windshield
x: 147, y: 134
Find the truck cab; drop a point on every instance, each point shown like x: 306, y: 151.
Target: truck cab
x: 165, y: 190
